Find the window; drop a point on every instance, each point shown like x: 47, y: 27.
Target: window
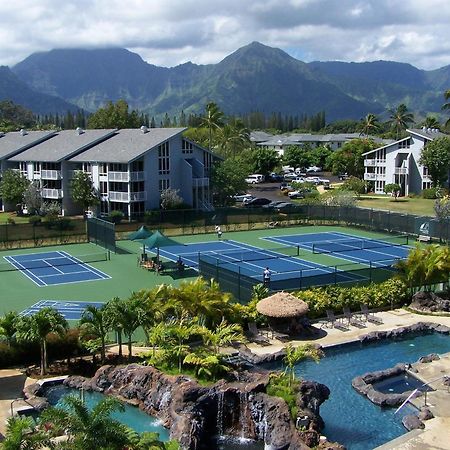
x: 207, y: 161
x: 163, y: 159
x: 137, y: 166
x: 186, y: 146
x: 426, y: 185
x: 103, y: 188
x: 116, y: 167
x: 137, y: 186
x: 405, y: 144
x: 103, y: 169
x: 164, y: 184
x: 118, y: 187
x: 50, y: 166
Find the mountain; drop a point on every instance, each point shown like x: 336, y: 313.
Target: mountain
x: 12, y: 88
x: 253, y: 78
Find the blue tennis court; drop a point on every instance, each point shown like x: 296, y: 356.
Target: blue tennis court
x: 251, y: 261
x: 70, y: 310
x: 374, y: 252
x: 53, y: 268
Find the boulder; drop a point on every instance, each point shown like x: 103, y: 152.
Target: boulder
x: 412, y: 422
x: 429, y: 358
x: 425, y: 413
x: 429, y: 302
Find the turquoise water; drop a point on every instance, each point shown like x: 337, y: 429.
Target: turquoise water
x: 132, y: 416
x: 350, y: 418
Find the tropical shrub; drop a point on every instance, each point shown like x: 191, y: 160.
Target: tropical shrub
x: 430, y: 194
x: 116, y: 216
x: 354, y: 184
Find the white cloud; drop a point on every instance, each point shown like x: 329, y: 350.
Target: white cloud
x: 170, y: 32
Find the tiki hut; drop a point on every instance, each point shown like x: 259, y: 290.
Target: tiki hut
x: 285, y: 313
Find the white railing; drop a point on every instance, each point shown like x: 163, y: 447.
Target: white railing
x: 52, y: 193
x: 137, y: 176
x: 200, y: 182
x: 138, y: 196
x: 374, y: 176
x: 374, y: 162
x: 119, y: 196
x: 401, y: 170
x: 119, y: 176
x: 50, y: 174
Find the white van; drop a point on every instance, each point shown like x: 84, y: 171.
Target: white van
x: 255, y: 178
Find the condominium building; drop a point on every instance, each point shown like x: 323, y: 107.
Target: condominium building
x: 128, y: 167
x: 398, y: 162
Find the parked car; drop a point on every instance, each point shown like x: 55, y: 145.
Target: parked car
x: 284, y: 207
x: 296, y: 194
x: 275, y: 178
x: 290, y: 176
x: 255, y: 178
x: 314, y: 169
x: 343, y: 176
x: 299, y: 180
x: 243, y: 197
x: 286, y: 187
x: 315, y: 180
x: 274, y: 204
x: 256, y: 202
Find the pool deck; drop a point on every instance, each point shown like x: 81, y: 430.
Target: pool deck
x: 434, y: 436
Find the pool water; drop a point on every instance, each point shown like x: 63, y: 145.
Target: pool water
x: 133, y: 417
x: 399, y: 383
x: 351, y: 418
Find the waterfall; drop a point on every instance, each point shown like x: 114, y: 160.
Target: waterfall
x: 245, y: 416
x: 219, y: 425
x: 259, y: 418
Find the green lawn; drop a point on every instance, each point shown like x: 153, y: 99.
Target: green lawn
x: 4, y: 216
x: 417, y: 206
x: 18, y: 292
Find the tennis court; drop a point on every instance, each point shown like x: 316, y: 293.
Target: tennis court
x: 69, y: 310
x: 374, y: 252
x: 53, y: 268
x: 251, y: 261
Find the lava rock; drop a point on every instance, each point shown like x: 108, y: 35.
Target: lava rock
x: 425, y: 413
x: 429, y: 302
x: 429, y: 358
x: 412, y: 422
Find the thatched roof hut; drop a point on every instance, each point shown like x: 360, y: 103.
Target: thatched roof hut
x: 282, y: 305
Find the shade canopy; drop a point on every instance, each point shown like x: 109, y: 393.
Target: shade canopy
x: 282, y: 305
x: 157, y: 240
x: 142, y: 233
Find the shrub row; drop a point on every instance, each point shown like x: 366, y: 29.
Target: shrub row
x: 375, y: 295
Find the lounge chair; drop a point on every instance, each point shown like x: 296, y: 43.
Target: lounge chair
x: 370, y: 317
x: 333, y: 322
x: 353, y: 319
x: 258, y: 336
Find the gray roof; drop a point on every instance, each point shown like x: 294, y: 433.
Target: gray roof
x: 16, y: 141
x: 63, y: 145
x: 428, y: 133
x: 260, y: 136
x: 126, y: 145
x: 296, y: 138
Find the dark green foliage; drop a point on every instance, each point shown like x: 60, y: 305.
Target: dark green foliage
x: 430, y: 194
x: 13, y: 186
x: 83, y: 191
x: 436, y: 157
x: 280, y: 386
x: 354, y: 184
x: 115, y: 115
x: 116, y: 216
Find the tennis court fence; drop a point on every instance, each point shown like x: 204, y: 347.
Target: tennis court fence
x: 41, y: 263
x: 232, y: 278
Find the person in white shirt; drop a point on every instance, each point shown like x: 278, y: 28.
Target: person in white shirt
x: 266, y: 277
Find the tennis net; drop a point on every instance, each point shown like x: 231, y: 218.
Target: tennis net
x: 17, y: 263
x: 241, y: 254
x: 346, y: 245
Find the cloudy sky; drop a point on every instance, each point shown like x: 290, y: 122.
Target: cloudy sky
x: 171, y: 32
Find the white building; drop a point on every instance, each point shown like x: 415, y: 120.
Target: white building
x: 398, y: 162
x: 128, y: 167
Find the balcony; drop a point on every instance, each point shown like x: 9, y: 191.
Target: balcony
x: 119, y: 197
x: 51, y: 175
x: 200, y: 182
x: 52, y: 193
x: 375, y: 176
x: 138, y: 196
x: 401, y: 171
x: 374, y: 162
x: 119, y: 176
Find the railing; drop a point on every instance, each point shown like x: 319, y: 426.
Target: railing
x: 52, y: 193
x: 401, y: 170
x: 50, y: 174
x: 138, y: 196
x: 119, y: 196
x: 200, y: 182
x: 374, y: 176
x: 119, y: 176
x: 137, y: 176
x: 374, y: 162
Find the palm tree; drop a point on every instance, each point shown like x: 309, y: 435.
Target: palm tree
x: 128, y: 318
x: 36, y: 328
x: 400, y: 118
x: 369, y: 124
x: 113, y: 312
x: 295, y: 355
x: 8, y: 326
x: 223, y: 334
x: 95, y: 323
x: 213, y: 119
x: 431, y: 122
x: 447, y: 104
x: 89, y: 429
x: 22, y: 435
x: 234, y: 137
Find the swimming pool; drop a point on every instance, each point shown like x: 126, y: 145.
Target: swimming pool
x: 133, y: 417
x: 350, y: 418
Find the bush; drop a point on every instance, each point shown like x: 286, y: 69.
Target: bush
x: 35, y: 220
x: 279, y: 387
x: 354, y: 184
x: 116, y: 216
x: 430, y: 194
x: 374, y: 295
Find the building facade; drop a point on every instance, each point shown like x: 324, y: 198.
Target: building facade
x: 398, y: 162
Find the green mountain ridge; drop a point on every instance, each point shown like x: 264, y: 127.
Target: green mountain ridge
x: 253, y: 78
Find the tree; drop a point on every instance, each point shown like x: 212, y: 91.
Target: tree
x: 446, y: 105
x: 14, y: 116
x: 115, y: 115
x: 442, y: 208
x: 32, y: 198
x: 37, y: 327
x: 212, y: 120
x: 233, y: 138
x: 83, y: 191
x: 128, y: 318
x: 89, y: 429
x: 8, y: 326
x: 228, y: 179
x: 262, y: 160
x: 400, y: 118
x: 394, y: 189
x: 431, y: 122
x: 223, y: 334
x: 170, y: 198
x: 22, y: 435
x: 436, y: 157
x: 295, y: 355
x: 13, y: 186
x: 94, y: 323
x: 113, y: 312
x: 369, y: 125
x: 297, y: 156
